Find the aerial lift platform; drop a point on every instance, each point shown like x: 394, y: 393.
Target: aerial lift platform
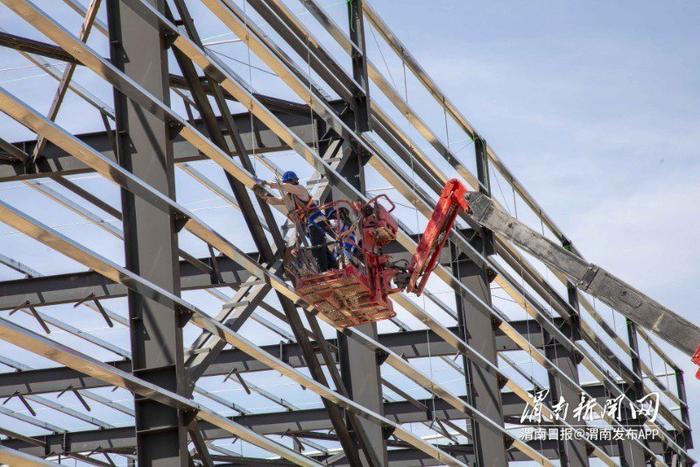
x: 358, y: 291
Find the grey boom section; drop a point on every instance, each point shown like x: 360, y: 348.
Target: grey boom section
x: 590, y: 278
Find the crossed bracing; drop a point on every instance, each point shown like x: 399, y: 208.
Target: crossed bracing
x: 295, y: 79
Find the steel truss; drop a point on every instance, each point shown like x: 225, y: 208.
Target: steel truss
x: 340, y: 139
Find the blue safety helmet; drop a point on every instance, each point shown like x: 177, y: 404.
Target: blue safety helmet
x: 289, y: 176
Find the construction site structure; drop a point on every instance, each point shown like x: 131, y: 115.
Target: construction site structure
x: 123, y: 360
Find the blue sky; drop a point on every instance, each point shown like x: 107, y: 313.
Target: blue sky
x: 593, y: 105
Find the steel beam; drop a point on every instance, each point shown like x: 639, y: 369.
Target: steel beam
x: 150, y: 237
x: 76, y: 286
x: 59, y: 163
x: 410, y: 344
x: 217, y: 136
x: 630, y: 455
x: 63, y: 86
x: 73, y: 287
x: 411, y: 457
x: 477, y: 330
x: 361, y: 105
x: 24, y: 44
x: 14, y: 458
x: 572, y: 453
x: 122, y: 439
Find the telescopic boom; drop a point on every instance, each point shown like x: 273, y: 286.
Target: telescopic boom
x: 588, y: 277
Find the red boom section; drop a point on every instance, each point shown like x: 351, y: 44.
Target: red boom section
x: 696, y: 360
x: 452, y: 201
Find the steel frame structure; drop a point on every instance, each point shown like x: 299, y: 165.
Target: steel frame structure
x: 341, y: 132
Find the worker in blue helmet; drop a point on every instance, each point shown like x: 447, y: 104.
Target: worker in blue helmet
x: 304, y: 212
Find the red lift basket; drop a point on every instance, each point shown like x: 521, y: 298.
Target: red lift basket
x: 452, y: 201
x: 358, y: 293
x: 345, y: 297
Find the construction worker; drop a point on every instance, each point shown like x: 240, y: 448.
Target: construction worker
x: 346, y: 249
x: 304, y: 212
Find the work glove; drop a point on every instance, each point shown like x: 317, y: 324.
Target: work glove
x: 259, y: 189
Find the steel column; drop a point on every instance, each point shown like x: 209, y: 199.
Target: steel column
x: 572, y: 453
x: 358, y: 364
x: 483, y: 389
x: 361, y: 107
x: 686, y: 439
x: 150, y: 237
x: 477, y: 330
x: 630, y: 454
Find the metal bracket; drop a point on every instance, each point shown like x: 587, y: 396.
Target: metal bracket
x: 587, y: 277
x: 34, y: 313
x: 23, y: 400
x: 174, y: 128
x: 491, y: 274
x: 215, y: 273
x: 104, y: 314
x: 240, y: 379
x: 183, y: 315
x: 180, y: 220
x: 169, y: 37
x: 213, y: 74
x: 109, y: 459
x: 19, y: 307
x: 508, y: 441
x: 502, y: 381
x: 495, y: 321
x: 39, y: 319
x: 99, y: 306
x: 381, y: 356
x: 297, y: 444
x: 65, y: 444
x: 188, y: 416
x: 387, y: 431
x: 77, y: 394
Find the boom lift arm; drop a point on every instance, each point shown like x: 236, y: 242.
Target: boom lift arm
x: 359, y: 291
x: 588, y: 277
